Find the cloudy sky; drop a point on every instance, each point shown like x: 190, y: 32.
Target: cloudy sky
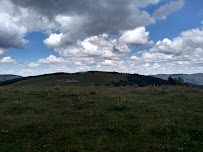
x: 134, y: 36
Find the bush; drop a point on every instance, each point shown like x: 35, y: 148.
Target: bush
x: 92, y: 93
x: 175, y: 81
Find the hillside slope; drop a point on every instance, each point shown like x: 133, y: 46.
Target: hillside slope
x: 188, y: 78
x: 88, y: 79
x: 76, y: 79
x: 8, y: 77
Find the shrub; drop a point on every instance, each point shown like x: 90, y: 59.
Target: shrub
x: 92, y: 93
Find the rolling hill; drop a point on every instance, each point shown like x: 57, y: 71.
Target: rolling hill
x: 196, y: 79
x: 89, y: 78
x: 85, y: 112
x: 8, y: 77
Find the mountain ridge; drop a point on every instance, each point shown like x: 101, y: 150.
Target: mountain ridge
x: 196, y: 78
x: 5, y: 77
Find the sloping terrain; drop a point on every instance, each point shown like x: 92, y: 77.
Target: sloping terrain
x: 75, y: 79
x: 188, y: 78
x: 8, y: 77
x: 89, y: 79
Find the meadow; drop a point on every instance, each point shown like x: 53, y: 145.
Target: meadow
x: 100, y: 118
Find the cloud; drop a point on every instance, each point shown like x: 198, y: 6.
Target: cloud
x: 95, y: 46
x: 188, y: 47
x: 136, y: 37
x: 167, y: 9
x: 115, y: 63
x: 54, y: 40
x: 184, y: 52
x: 84, y: 61
x: 76, y: 19
x: 12, y: 34
x: 194, y: 35
x: 156, y: 57
x: 52, y: 59
x: 104, y: 53
x: 2, y: 51
x: 81, y: 33
x: 31, y: 64
x: 74, y: 27
x: 7, y: 60
x: 167, y: 68
x: 15, y: 23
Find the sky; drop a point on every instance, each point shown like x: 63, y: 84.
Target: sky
x: 129, y: 36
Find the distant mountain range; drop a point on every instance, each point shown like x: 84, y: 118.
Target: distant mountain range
x: 8, y: 77
x: 196, y: 78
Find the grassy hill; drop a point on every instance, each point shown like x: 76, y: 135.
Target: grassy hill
x: 99, y: 118
x: 75, y: 79
x: 188, y: 78
x: 88, y: 79
x: 86, y: 112
x: 8, y: 77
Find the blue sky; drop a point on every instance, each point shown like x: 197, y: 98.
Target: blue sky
x: 134, y: 36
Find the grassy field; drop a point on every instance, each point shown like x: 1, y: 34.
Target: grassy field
x: 89, y: 118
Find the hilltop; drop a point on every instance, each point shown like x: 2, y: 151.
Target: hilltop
x: 89, y: 78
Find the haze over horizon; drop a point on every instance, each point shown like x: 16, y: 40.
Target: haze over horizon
x: 129, y: 36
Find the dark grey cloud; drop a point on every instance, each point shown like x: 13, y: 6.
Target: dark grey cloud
x: 80, y: 7
x: 96, y: 16
x: 11, y: 33
x: 74, y: 19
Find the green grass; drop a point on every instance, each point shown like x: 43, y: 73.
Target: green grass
x: 87, y: 118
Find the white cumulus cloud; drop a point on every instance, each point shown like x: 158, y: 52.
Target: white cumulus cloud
x: 52, y: 59
x: 136, y: 37
x: 7, y: 59
x: 95, y: 46
x: 54, y: 40
x: 184, y: 52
